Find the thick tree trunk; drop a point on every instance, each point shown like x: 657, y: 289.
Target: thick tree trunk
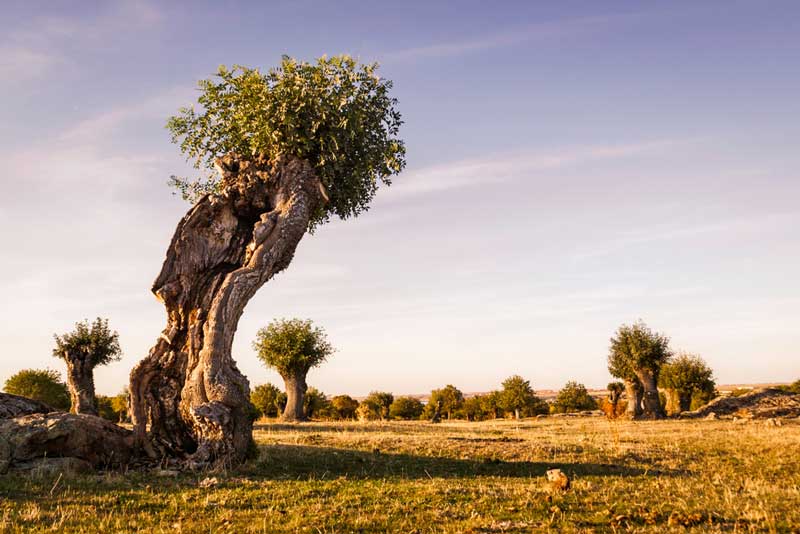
x: 188, y: 399
x: 633, y: 393
x: 80, y: 382
x: 295, y: 393
x: 516, y: 414
x: 651, y: 404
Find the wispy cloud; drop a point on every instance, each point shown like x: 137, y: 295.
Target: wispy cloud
x: 510, y: 37
x: 507, y: 166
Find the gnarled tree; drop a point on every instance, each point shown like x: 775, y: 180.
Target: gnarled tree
x: 291, y: 147
x: 83, y: 349
x: 292, y: 347
x: 636, y: 355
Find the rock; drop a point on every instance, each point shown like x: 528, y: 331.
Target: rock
x: 711, y: 416
x: 15, y: 406
x: 542, y: 416
x: 167, y: 473
x: 766, y: 403
x: 557, y: 480
x: 773, y: 422
x: 208, y: 482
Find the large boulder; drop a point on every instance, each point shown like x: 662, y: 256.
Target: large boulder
x: 763, y: 403
x: 14, y: 406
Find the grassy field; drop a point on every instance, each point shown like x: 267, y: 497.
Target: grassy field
x: 702, y: 476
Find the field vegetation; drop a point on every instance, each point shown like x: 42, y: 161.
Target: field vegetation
x: 644, y: 476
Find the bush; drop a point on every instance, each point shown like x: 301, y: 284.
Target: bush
x: 315, y: 403
x: 268, y: 400
x: 375, y: 406
x: 343, y: 407
x: 42, y: 385
x: 406, y: 408
x: 573, y: 397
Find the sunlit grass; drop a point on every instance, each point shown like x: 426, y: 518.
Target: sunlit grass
x: 703, y: 476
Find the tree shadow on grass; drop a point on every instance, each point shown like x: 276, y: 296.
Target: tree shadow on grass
x: 309, y: 461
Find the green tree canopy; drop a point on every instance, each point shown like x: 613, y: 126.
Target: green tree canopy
x: 44, y: 385
x: 292, y: 346
x: 573, y: 397
x: 406, y: 408
x: 635, y: 347
x: 518, y: 397
x: 687, y: 373
x: 268, y: 399
x: 315, y: 403
x: 377, y: 404
x: 344, y: 407
x: 336, y: 114
x: 450, y: 397
x: 93, y: 343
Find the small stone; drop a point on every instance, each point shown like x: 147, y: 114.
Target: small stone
x: 557, y: 480
x: 208, y: 482
x: 711, y: 416
x: 167, y: 473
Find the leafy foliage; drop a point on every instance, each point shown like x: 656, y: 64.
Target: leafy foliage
x: 406, y: 408
x: 635, y: 347
x: 343, y: 407
x: 573, y: 397
x: 451, y: 400
x: 94, y: 344
x: 376, y: 405
x: 292, y: 346
x: 110, y: 410
x: 336, y: 114
x: 794, y: 387
x: 268, y: 399
x: 518, y: 397
x: 687, y: 373
x: 44, y: 385
x: 315, y: 403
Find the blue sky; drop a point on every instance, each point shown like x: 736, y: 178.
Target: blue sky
x: 571, y: 166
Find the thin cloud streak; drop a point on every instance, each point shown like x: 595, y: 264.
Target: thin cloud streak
x: 541, y: 31
x: 503, y: 167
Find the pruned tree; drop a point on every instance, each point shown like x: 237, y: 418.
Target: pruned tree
x: 292, y: 148
x: 43, y: 385
x: 85, y: 348
x: 636, y: 355
x: 683, y: 377
x: 518, y: 397
x: 573, y: 397
x: 615, y: 390
x: 344, y: 407
x: 406, y: 408
x: 268, y: 400
x: 292, y: 347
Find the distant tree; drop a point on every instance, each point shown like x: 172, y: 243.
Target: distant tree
x: 683, y: 377
x: 573, y: 397
x: 83, y: 349
x: 449, y: 399
x: 474, y: 408
x: 120, y: 403
x: 268, y: 400
x: 344, y: 407
x: 316, y: 404
x: 636, y: 351
x: 376, y: 405
x: 41, y: 385
x: 406, y: 408
x: 518, y: 397
x: 492, y: 404
x: 106, y: 409
x: 292, y: 347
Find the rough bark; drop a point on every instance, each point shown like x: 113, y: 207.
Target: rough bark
x: 295, y: 392
x: 28, y: 439
x: 188, y: 399
x: 80, y: 382
x: 633, y: 394
x: 651, y: 404
x: 677, y: 401
x: 15, y: 406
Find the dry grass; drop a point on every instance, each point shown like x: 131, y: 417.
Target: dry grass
x: 702, y: 476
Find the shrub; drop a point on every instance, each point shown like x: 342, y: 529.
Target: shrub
x: 43, y: 385
x: 573, y: 397
x: 268, y: 400
x: 343, y: 407
x: 406, y: 408
x: 375, y: 406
